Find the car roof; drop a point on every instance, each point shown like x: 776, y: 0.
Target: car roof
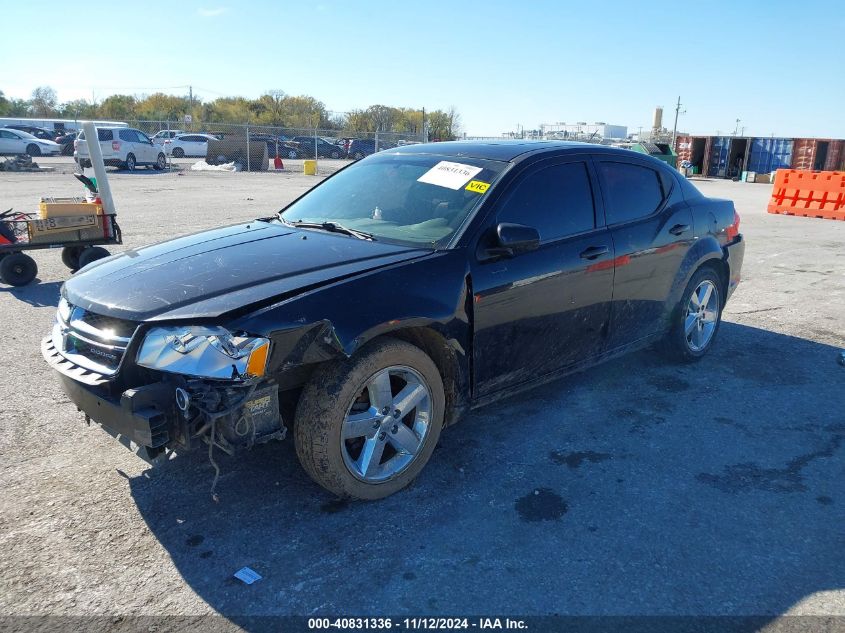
x: 505, y: 150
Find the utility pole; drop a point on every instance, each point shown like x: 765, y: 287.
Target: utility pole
x: 675, y: 127
x: 191, y: 96
x: 736, y: 129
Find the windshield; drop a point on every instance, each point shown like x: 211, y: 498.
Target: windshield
x: 408, y: 198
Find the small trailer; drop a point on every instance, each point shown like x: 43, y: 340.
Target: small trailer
x: 78, y: 226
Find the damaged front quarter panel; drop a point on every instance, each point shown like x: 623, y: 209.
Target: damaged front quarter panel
x: 333, y: 321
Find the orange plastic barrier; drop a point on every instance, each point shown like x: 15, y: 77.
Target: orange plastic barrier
x: 813, y: 194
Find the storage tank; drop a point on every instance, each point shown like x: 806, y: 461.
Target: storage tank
x: 658, y: 118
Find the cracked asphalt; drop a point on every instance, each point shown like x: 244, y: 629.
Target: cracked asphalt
x: 635, y: 488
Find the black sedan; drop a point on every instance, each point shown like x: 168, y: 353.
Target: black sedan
x: 397, y: 294
x: 324, y: 148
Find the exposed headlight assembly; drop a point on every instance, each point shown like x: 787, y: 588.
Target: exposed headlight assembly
x: 204, y: 352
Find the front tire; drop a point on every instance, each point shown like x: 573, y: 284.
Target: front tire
x: 696, y: 320
x: 130, y: 162
x: 33, y: 150
x: 161, y: 162
x: 366, y: 426
x: 70, y: 256
x: 292, y: 154
x: 18, y: 269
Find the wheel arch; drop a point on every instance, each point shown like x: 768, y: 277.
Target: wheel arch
x: 704, y: 252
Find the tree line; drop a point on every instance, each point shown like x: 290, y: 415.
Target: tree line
x: 274, y: 108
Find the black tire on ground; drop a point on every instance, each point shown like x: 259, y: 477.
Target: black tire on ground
x: 676, y: 344
x: 32, y: 150
x: 327, y: 398
x: 18, y: 269
x: 161, y: 162
x: 178, y: 152
x: 335, y: 154
x: 130, y: 162
x: 70, y: 256
x: 92, y: 254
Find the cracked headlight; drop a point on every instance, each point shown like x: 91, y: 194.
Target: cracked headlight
x: 205, y: 352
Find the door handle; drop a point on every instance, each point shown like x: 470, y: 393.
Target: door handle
x: 679, y: 228
x: 594, y: 252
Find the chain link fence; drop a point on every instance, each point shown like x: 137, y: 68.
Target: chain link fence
x: 219, y: 143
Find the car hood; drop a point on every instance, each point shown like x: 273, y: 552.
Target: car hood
x: 209, y: 274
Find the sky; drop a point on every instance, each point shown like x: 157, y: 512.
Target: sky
x: 777, y: 66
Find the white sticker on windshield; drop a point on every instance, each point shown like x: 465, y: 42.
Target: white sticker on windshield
x: 449, y: 175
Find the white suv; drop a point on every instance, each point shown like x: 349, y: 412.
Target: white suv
x: 123, y: 147
x: 160, y: 138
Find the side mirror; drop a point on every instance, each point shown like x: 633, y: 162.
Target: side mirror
x: 515, y: 238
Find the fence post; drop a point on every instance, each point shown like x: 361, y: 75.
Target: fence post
x: 247, y: 148
x: 164, y: 145
x: 375, y: 148
x: 315, y: 149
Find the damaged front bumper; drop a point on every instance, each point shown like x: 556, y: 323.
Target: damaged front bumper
x: 174, y: 413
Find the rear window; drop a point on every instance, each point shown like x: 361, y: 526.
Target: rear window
x: 103, y: 135
x: 633, y: 191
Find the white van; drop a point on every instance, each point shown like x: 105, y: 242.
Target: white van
x: 123, y: 147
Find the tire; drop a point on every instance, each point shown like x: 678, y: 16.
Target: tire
x: 130, y: 162
x: 335, y: 154
x: 343, y: 466
x: 70, y: 256
x: 292, y: 154
x: 357, y: 156
x: 694, y: 328
x: 33, y: 150
x: 178, y: 152
x: 161, y: 162
x: 91, y: 254
x: 17, y: 269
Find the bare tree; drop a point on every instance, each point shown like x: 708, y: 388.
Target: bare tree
x: 44, y: 101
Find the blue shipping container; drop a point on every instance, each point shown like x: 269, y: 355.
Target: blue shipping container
x: 769, y: 154
x: 719, y: 150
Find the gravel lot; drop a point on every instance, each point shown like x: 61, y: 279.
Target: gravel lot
x: 634, y: 488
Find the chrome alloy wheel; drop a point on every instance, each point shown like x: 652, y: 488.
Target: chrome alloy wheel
x: 387, y: 424
x: 702, y: 315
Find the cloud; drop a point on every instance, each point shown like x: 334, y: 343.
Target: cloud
x: 212, y: 13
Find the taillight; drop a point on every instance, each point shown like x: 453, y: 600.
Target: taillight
x: 115, y: 145
x: 732, y: 231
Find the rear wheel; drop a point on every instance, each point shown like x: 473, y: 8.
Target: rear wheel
x: 161, y: 161
x: 335, y: 154
x: 292, y: 154
x: 178, y: 152
x: 130, y: 162
x: 33, y: 150
x: 70, y: 256
x: 17, y: 269
x: 365, y: 427
x: 697, y: 317
x: 92, y: 254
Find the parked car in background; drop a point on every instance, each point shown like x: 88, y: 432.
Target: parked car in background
x: 324, y: 148
x: 286, y: 148
x: 14, y: 141
x: 66, y: 142
x: 189, y: 145
x: 38, y: 132
x: 165, y: 135
x: 516, y: 263
x: 361, y: 147
x: 123, y: 147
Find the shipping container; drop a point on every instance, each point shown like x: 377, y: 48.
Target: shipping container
x: 818, y: 154
x: 769, y: 154
x: 694, y: 149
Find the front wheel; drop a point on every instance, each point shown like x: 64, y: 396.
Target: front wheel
x: 70, y: 256
x: 161, y: 161
x: 365, y: 427
x: 697, y: 318
x: 130, y: 162
x: 33, y: 150
x: 292, y: 154
x: 18, y: 269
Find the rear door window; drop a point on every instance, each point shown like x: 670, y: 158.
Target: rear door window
x: 632, y: 191
x: 128, y: 136
x: 104, y: 135
x: 556, y: 200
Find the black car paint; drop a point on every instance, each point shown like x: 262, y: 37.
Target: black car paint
x: 494, y: 324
